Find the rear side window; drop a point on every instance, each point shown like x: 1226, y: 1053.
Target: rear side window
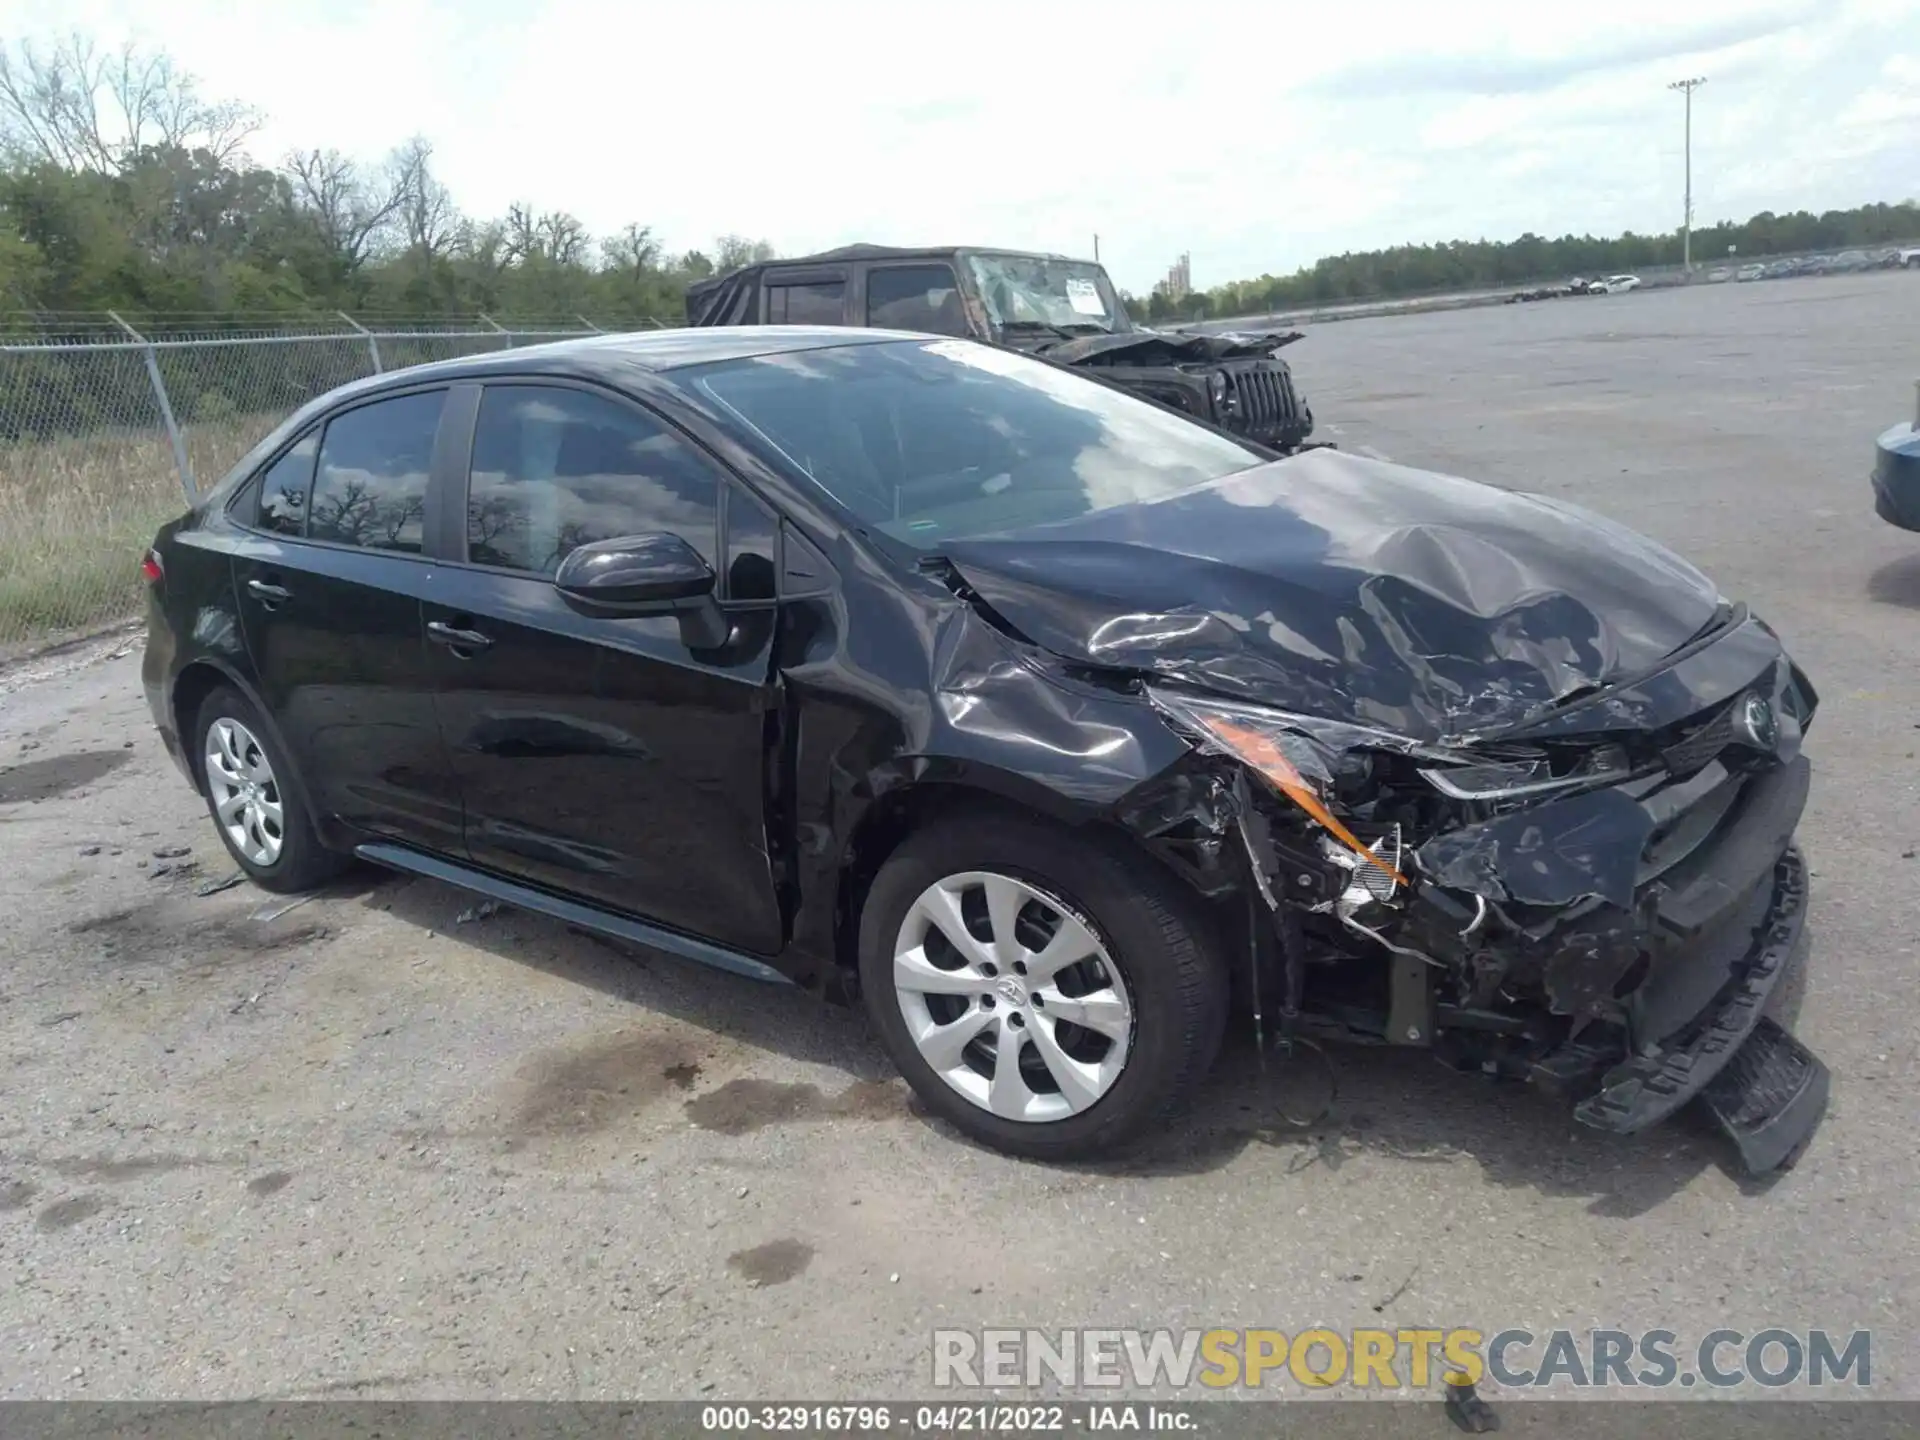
x: 915, y: 297
x: 284, y: 486
x: 371, y: 486
x: 821, y: 302
x: 555, y: 468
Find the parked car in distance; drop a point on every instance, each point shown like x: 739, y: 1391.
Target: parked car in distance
x: 1751, y: 272
x: 1719, y: 275
x: 1782, y: 269
x: 1910, y: 257
x: 1619, y: 284
x: 1050, y: 723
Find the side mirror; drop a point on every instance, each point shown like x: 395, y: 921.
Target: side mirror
x: 646, y: 575
x: 635, y: 570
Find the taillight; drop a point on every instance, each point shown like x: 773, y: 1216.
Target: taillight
x: 151, y: 567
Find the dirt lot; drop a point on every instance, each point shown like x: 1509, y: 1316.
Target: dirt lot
x: 364, y: 1147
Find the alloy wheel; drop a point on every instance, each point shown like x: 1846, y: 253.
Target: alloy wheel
x: 246, y: 795
x: 1011, y: 997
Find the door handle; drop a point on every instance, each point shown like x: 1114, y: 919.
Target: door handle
x: 269, y: 595
x: 454, y: 638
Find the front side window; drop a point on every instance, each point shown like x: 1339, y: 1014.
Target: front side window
x: 930, y: 440
x: 285, y: 485
x: 555, y: 468
x: 915, y: 297
x: 818, y: 302
x: 371, y: 485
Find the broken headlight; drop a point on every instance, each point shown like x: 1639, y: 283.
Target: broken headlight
x: 1525, y: 778
x: 1312, y: 762
x: 1303, y: 759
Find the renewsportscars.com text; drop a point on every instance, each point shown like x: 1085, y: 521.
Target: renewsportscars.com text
x: 1769, y: 1358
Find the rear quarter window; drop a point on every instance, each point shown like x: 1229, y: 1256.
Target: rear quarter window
x: 284, y: 488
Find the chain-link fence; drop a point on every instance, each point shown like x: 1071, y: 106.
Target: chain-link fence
x: 106, y: 432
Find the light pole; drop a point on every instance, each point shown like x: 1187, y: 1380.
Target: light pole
x: 1687, y: 87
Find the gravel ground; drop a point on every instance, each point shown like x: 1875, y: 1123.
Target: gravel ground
x: 365, y: 1147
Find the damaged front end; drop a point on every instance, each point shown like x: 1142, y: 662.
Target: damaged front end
x: 1512, y: 781
x: 1238, y: 382
x: 1602, y: 905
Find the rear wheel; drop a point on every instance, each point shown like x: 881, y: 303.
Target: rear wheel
x: 1049, y: 994
x: 260, y: 818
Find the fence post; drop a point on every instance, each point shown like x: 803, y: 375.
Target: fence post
x: 589, y: 324
x: 373, y: 345
x: 506, y: 335
x: 180, y: 461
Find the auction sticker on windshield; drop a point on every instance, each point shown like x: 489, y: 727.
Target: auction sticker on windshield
x: 1084, y: 296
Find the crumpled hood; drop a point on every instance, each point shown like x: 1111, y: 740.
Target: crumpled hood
x: 1152, y: 347
x: 1352, y: 589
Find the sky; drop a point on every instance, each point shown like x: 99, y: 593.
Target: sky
x: 1255, y: 137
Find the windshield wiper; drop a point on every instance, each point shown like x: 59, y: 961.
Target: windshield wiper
x: 1036, y: 325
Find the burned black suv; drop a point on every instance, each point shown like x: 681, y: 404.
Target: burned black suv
x: 1065, y: 311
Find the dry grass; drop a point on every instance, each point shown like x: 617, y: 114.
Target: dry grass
x: 76, y: 514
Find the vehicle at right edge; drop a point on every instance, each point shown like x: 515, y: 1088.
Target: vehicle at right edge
x: 1896, y: 473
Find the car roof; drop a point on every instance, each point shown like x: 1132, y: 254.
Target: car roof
x: 608, y: 357
x: 863, y: 251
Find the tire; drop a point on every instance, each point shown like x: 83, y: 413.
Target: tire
x: 1172, y: 987
x: 267, y: 829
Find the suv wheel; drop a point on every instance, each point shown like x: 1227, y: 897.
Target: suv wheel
x: 1048, y: 994
x: 260, y: 818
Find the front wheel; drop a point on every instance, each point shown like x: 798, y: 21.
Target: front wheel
x: 1047, y: 993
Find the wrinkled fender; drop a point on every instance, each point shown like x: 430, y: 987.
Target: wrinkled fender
x: 930, y: 703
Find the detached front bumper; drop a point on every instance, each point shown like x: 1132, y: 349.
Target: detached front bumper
x: 1764, y: 1089
x: 1667, y: 985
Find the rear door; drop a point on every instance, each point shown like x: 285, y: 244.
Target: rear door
x: 330, y: 576
x: 601, y: 756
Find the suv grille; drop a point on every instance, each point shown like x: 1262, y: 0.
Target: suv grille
x: 1267, y: 402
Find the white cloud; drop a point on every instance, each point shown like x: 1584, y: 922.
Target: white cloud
x: 1256, y: 136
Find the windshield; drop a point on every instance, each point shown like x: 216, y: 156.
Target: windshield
x: 927, y: 441
x: 1069, y: 295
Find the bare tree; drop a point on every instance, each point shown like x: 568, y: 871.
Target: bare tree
x: 555, y: 237
x: 733, y: 251
x: 83, y: 109
x: 429, y: 220
x: 632, y: 253
x: 349, y: 208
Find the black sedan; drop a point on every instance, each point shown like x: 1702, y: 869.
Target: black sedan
x: 1051, y: 723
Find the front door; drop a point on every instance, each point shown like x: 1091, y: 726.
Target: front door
x: 601, y: 756
x: 330, y: 576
